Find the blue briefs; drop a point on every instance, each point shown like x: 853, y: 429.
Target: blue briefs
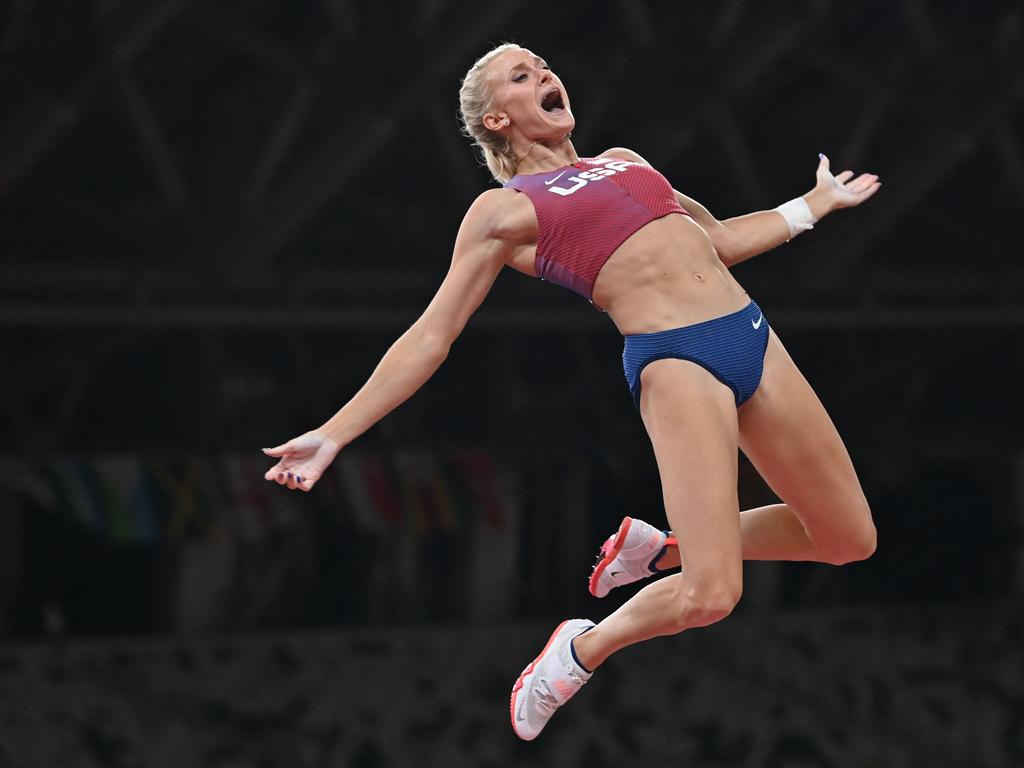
x: 731, y: 348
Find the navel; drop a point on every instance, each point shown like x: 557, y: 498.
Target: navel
x: 698, y: 276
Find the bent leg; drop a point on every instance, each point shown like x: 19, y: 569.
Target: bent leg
x: 772, y: 532
x: 691, y: 420
x: 789, y: 438
x: 791, y: 441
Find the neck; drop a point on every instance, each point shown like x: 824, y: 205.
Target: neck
x: 545, y: 155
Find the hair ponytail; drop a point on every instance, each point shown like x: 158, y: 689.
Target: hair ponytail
x: 475, y: 102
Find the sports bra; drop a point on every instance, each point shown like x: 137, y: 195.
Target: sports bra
x: 586, y: 210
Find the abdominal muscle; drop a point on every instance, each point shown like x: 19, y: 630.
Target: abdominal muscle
x: 666, y: 275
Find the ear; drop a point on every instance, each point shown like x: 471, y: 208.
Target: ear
x: 495, y: 121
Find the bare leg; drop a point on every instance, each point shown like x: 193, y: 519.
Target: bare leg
x: 691, y: 419
x: 789, y: 438
x: 768, y: 533
x: 787, y: 435
x: 793, y: 444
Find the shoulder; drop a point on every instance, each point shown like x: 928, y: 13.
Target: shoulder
x: 492, y: 203
x: 499, y: 214
x: 621, y: 153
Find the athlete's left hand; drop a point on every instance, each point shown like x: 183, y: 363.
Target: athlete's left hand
x: 843, y: 190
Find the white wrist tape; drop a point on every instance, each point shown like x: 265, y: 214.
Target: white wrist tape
x: 798, y: 216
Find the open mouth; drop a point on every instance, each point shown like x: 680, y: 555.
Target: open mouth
x: 553, y: 102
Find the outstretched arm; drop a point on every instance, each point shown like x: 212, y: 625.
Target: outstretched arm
x: 478, y: 257
x: 741, y: 237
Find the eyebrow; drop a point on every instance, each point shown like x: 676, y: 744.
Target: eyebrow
x: 537, y: 59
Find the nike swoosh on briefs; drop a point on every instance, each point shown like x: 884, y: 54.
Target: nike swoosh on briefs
x: 552, y: 181
x: 758, y: 323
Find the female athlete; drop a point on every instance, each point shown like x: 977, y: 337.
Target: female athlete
x: 705, y: 369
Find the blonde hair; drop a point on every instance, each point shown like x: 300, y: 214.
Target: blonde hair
x: 475, y: 101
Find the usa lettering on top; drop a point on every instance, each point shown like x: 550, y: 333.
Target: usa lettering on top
x: 581, y: 179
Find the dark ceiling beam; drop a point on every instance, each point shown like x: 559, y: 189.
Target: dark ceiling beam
x: 74, y: 363
x: 298, y: 69
x: 738, y: 153
x: 156, y: 150
x: 924, y: 32
x: 318, y: 175
x: 344, y: 17
x: 31, y: 134
x: 598, y: 103
x: 849, y: 75
x: 637, y: 18
x: 1008, y: 149
x: 924, y: 168
x: 15, y: 20
x: 863, y: 129
x: 316, y: 178
x: 757, y: 62
x: 726, y: 21
x: 279, y: 142
x: 75, y: 278
x: 444, y: 124
x: 421, y: 237
x: 235, y: 35
x: 131, y: 231
x: 146, y: 23
x: 424, y: 18
x: 735, y: 75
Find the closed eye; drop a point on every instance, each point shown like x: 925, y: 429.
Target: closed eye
x: 519, y: 78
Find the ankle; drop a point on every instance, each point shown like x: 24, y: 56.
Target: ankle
x: 582, y: 649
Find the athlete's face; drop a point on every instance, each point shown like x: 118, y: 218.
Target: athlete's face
x: 530, y: 95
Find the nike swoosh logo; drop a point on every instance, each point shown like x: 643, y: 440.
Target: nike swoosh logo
x: 519, y: 711
x: 552, y: 181
x: 758, y: 323
x: 613, y: 574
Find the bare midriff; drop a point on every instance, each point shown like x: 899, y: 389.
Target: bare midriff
x: 667, y: 274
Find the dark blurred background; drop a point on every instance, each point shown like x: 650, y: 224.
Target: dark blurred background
x: 216, y: 217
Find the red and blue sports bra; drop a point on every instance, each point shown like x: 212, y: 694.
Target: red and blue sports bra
x: 586, y: 210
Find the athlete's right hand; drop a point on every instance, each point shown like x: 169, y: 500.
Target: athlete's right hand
x: 303, y: 460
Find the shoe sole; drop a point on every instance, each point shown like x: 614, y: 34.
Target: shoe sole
x: 620, y: 539
x: 526, y: 673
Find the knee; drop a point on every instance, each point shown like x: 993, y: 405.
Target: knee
x: 858, y: 542
x: 863, y: 544
x: 704, y: 603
